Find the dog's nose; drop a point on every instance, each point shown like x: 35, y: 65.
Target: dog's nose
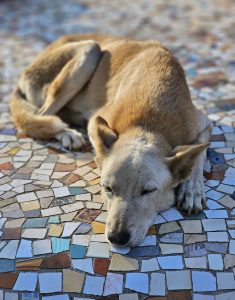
x: 119, y: 238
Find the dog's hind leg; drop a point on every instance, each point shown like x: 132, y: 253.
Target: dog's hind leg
x: 72, y: 78
x: 74, y: 75
x: 76, y: 72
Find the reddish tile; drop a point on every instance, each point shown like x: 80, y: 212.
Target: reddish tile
x: 69, y: 179
x: 11, y: 233
x: 92, y: 165
x: 217, y: 138
x: 209, y: 80
x: 7, y: 280
x: 25, y: 170
x: 6, y: 166
x: 29, y: 265
x: 65, y: 167
x: 58, y: 261
x: 101, y: 266
x: 213, y: 175
x: 182, y: 295
x: 87, y: 215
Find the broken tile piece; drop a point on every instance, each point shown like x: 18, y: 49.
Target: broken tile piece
x: 59, y: 244
x: 178, y: 280
x: 215, y: 262
x: 84, y: 265
x: 72, y: 281
x: 191, y: 226
x: 77, y: 251
x: 96, y: 249
x: 225, y: 281
x: 42, y: 247
x: 137, y: 282
x: 94, y: 285
x: 45, y: 280
x: 30, y: 278
x: 149, y: 265
x: 170, y: 262
x: 203, y: 281
x: 113, y: 284
x: 123, y: 263
x: 157, y: 284
x: 25, y: 249
x: 169, y: 227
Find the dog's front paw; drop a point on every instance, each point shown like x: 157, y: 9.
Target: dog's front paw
x: 71, y: 139
x: 190, y: 196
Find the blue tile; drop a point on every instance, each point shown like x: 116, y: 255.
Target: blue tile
x: 7, y: 265
x: 25, y: 249
x: 30, y: 296
x: 35, y: 223
x: 171, y: 262
x: 59, y: 244
x: 54, y: 220
x: 144, y: 251
x: 50, y: 282
x: 203, y: 281
x: 77, y: 251
x: 76, y: 191
x: 94, y: 285
x: 56, y: 297
x: 26, y: 281
x: 137, y: 282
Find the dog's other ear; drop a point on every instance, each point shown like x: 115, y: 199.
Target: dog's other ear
x: 182, y: 160
x: 107, y: 136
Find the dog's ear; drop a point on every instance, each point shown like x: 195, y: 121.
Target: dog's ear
x: 107, y: 136
x: 182, y: 160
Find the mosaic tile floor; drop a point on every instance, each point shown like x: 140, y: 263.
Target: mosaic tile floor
x: 52, y: 218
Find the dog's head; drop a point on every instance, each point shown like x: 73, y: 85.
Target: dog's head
x: 138, y: 180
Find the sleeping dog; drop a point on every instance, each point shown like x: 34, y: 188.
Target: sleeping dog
x: 148, y: 137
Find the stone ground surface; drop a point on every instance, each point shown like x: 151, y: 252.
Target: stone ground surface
x: 51, y: 215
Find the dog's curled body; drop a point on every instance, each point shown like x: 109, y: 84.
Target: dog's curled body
x: 147, y: 135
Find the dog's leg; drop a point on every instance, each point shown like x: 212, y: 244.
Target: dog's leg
x: 74, y: 75
x: 190, y: 194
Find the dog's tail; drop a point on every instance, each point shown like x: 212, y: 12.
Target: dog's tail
x: 28, y: 122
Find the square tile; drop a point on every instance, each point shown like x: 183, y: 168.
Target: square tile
x: 178, y: 280
x: 26, y: 281
x: 137, y: 282
x: 45, y: 280
x: 94, y: 285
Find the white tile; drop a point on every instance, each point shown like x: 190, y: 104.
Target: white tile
x: 113, y: 284
x: 215, y: 262
x: 61, y: 192
x: 178, y: 280
x: 214, y: 224
x: 157, y: 284
x: 69, y: 228
x: 149, y: 265
x: 96, y: 249
x: 217, y: 236
x: 225, y: 281
x: 42, y: 247
x: 196, y: 262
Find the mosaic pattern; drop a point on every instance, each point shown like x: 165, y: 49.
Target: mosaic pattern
x: 52, y: 218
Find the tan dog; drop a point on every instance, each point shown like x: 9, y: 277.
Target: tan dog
x: 148, y: 136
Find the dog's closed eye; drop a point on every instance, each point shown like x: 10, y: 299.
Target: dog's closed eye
x: 147, y: 191
x: 107, y: 189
